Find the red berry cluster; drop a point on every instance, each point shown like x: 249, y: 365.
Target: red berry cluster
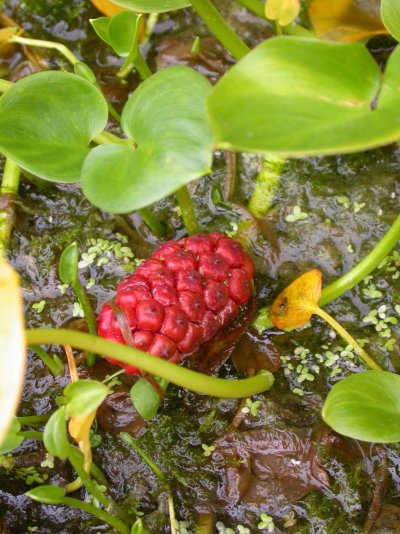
x: 180, y: 297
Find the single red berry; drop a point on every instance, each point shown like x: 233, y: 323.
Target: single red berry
x: 228, y: 312
x: 175, y: 323
x: 231, y: 251
x: 165, y: 250
x: 162, y: 277
x: 142, y: 340
x: 239, y: 286
x: 212, y: 265
x: 193, y: 305
x: 149, y: 315
x: 133, y: 280
x: 198, y: 244
x: 216, y: 295
x: 191, y: 342
x: 107, y: 322
x: 189, y: 281
x: 181, y: 261
x: 149, y: 266
x: 165, y: 295
x: 209, y: 325
x: 162, y: 346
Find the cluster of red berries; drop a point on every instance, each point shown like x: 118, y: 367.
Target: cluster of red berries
x: 180, y: 297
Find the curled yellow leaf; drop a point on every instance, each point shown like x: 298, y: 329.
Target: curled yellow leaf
x: 295, y: 305
x: 12, y: 345
x: 283, y: 11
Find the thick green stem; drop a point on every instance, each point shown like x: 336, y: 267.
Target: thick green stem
x: 364, y: 268
x: 255, y: 6
x: 208, y: 385
x: 218, y: 26
x: 187, y: 210
x: 5, y: 85
x: 33, y: 420
x: 9, y: 187
x: 46, y: 44
x: 118, y: 525
x: 88, y: 313
x: 141, y: 65
x: 128, y: 439
x: 152, y: 222
x: 31, y: 434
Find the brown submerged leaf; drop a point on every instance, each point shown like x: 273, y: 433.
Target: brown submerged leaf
x: 295, y: 305
x: 346, y: 20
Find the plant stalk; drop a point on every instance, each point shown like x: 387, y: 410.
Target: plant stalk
x: 54, y: 368
x: 88, y: 313
x: 186, y: 378
x: 116, y: 523
x: 31, y: 434
x: 364, y: 267
x: 46, y: 44
x: 8, y: 189
x: 255, y: 6
x: 218, y: 26
x: 141, y: 65
x: 156, y: 226
x: 369, y: 362
x: 187, y: 210
x: 128, y: 439
x: 33, y: 420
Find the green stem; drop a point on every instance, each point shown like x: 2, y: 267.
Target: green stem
x: 156, y: 226
x: 89, y: 315
x: 108, y: 138
x: 128, y: 439
x: 298, y: 30
x: 208, y: 385
x: 5, y: 85
x: 187, y: 210
x: 141, y: 65
x: 94, y: 469
x: 369, y: 362
x: 55, y: 368
x: 33, y: 420
x: 218, y: 26
x: 364, y: 267
x: 255, y: 6
x: 116, y: 523
x: 9, y: 186
x: 46, y: 44
x: 31, y: 434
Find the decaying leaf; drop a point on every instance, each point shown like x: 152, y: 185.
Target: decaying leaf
x: 346, y: 20
x: 107, y: 7
x: 12, y: 345
x: 295, y: 305
x: 283, y: 11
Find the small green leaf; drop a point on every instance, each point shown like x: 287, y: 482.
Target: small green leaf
x: 47, y: 121
x: 166, y: 118
x: 145, y: 397
x: 84, y: 397
x: 294, y: 96
x: 365, y: 406
x: 138, y: 528
x: 68, y: 265
x: 100, y: 26
x: 55, y: 435
x: 122, y: 32
x: 152, y: 6
x: 390, y: 12
x: 12, y: 440
x: 47, y: 494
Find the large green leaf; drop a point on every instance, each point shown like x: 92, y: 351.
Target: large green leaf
x: 294, y: 96
x: 152, y: 6
x: 166, y: 119
x: 47, y: 121
x: 390, y: 12
x: 365, y: 406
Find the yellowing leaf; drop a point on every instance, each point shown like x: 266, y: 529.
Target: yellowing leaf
x: 295, y: 305
x: 346, y: 20
x: 12, y: 346
x: 79, y: 427
x: 283, y: 11
x: 107, y: 7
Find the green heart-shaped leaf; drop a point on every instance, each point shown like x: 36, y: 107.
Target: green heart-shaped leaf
x: 166, y: 118
x: 152, y: 6
x: 390, y: 12
x: 84, y: 397
x: 365, y: 406
x: 120, y: 31
x: 68, y: 265
x: 47, y: 121
x: 146, y: 398
x: 293, y: 96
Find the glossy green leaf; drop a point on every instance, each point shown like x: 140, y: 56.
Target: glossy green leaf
x: 390, y: 12
x: 68, y: 265
x: 146, y: 398
x: 100, y: 26
x: 47, y: 494
x: 47, y: 121
x: 12, y: 440
x: 166, y: 118
x: 55, y: 435
x: 152, y: 6
x: 122, y: 32
x: 294, y: 96
x: 365, y: 406
x: 84, y: 71
x: 84, y: 397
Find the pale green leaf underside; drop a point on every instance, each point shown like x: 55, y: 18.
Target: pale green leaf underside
x: 293, y: 96
x: 152, y: 6
x: 47, y: 121
x: 166, y: 119
x: 390, y: 12
x: 365, y: 406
